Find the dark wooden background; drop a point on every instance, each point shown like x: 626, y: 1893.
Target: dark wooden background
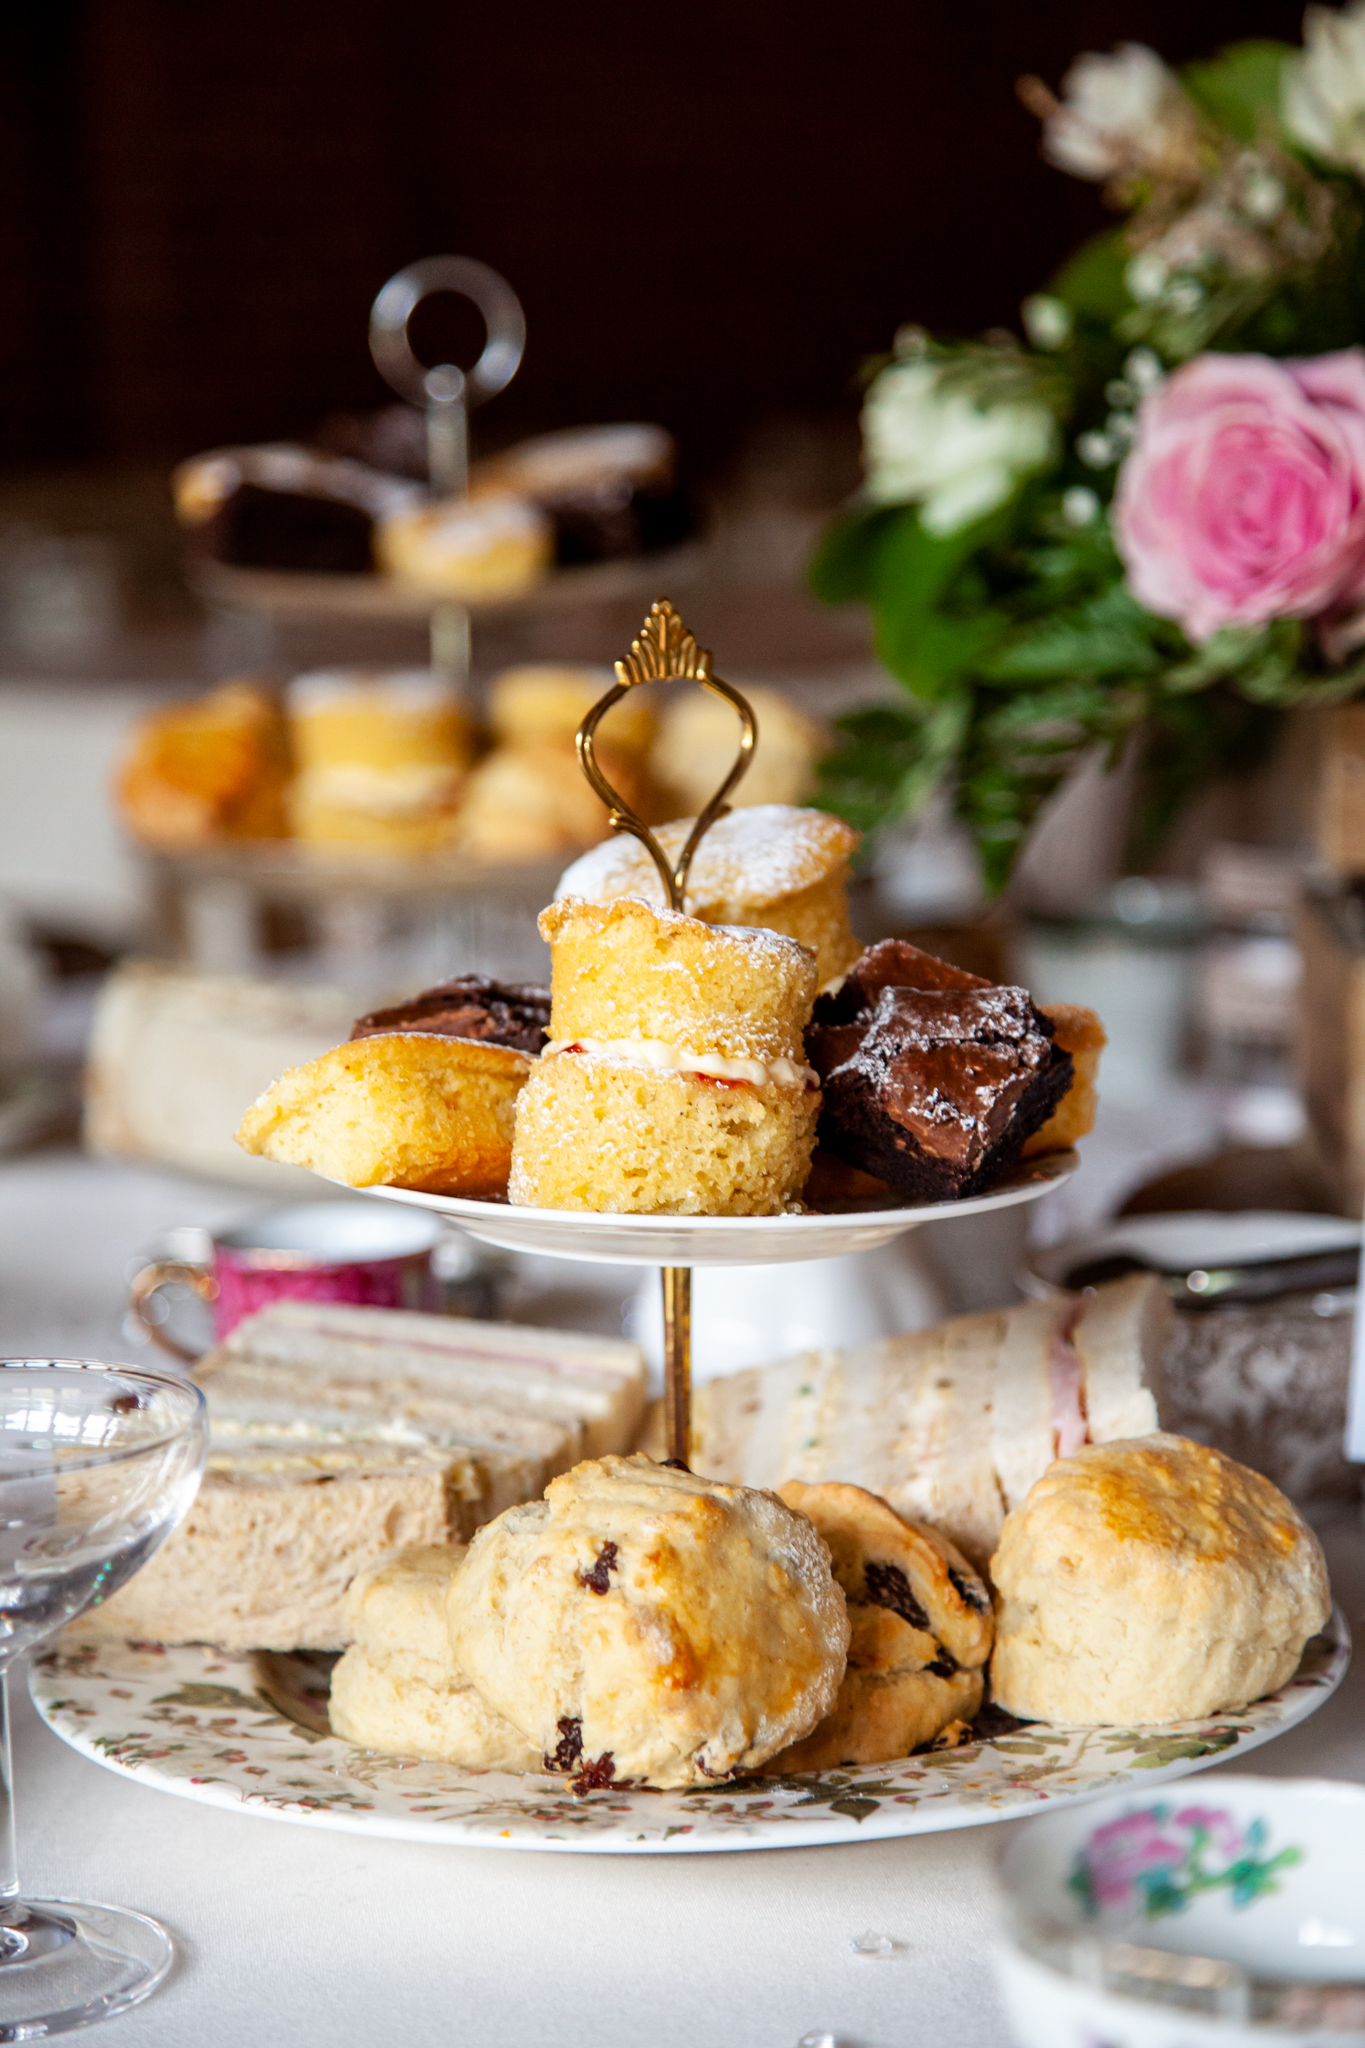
x: 712, y: 209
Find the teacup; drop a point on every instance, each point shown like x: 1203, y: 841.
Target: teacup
x: 354, y: 1251
x: 1228, y: 1914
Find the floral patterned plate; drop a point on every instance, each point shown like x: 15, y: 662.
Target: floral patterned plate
x: 250, y: 1732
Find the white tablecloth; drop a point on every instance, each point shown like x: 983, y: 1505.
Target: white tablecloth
x: 292, y: 1935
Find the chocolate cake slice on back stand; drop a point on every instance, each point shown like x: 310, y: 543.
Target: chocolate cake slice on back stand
x: 933, y: 1079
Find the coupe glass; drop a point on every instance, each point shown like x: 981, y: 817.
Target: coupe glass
x: 97, y: 1464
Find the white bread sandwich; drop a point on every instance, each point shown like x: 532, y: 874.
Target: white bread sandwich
x: 338, y: 1433
x: 950, y: 1425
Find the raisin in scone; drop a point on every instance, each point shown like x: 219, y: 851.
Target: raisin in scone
x: 641, y: 1625
x: 398, y: 1688
x: 921, y: 1632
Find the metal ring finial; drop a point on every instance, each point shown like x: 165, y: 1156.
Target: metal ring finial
x: 665, y: 651
x: 502, y: 316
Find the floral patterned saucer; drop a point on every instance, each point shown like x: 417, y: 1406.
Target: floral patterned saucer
x: 250, y: 1732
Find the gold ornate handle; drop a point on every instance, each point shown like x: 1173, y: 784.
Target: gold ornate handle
x: 666, y: 650
x: 165, y: 1273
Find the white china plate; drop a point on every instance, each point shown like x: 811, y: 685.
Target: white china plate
x: 231, y: 1731
x: 595, y: 1235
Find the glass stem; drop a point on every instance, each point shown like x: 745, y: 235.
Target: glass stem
x: 9, y: 1860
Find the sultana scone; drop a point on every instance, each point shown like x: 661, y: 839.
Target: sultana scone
x: 770, y: 865
x: 922, y: 1629
x: 401, y: 1109
x: 1151, y: 1580
x: 642, y: 1625
x: 398, y: 1688
x: 674, y: 1080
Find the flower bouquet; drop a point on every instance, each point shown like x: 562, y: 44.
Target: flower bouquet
x: 1145, y: 523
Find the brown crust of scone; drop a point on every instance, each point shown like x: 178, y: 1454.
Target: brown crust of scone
x: 403, y: 1109
x: 1151, y: 1580
x: 921, y: 1631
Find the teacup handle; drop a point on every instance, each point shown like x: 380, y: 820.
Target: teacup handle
x: 166, y: 1273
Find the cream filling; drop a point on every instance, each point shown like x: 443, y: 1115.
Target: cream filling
x: 672, y: 1059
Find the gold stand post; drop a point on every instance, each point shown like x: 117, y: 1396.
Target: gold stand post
x: 665, y: 651
x: 677, y: 1282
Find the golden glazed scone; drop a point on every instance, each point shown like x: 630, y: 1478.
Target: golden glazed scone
x: 402, y: 1109
x: 1079, y: 1032
x: 674, y: 1080
x: 922, y: 1630
x: 625, y: 970
x: 769, y: 864
x: 642, y: 1625
x: 1151, y: 1580
x: 398, y: 1688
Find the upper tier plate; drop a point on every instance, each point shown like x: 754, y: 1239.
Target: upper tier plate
x: 719, y: 1240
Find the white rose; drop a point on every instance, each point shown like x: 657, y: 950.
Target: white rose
x: 1324, y: 87
x: 940, y: 450
x: 1117, y: 114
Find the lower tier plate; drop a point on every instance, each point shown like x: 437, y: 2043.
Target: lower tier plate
x: 248, y: 1732
x: 597, y: 1235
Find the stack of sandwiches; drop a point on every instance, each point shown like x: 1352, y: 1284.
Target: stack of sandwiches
x: 337, y: 1433
x: 950, y: 1425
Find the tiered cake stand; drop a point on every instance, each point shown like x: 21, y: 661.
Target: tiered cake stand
x: 250, y: 1732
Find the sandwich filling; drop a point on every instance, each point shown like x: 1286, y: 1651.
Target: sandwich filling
x: 675, y: 1059
x: 1066, y: 1383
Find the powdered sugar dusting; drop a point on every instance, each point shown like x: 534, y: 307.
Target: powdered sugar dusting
x: 754, y: 856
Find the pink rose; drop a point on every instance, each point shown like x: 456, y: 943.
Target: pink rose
x: 1243, y: 496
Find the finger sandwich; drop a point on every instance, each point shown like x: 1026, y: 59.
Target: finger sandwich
x: 950, y: 1425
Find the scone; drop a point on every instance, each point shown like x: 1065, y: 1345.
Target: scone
x: 1151, y: 1581
x: 528, y: 799
x: 381, y: 757
x: 468, y: 550
x: 402, y: 1109
x: 640, y: 1625
x: 213, y: 768
x: 770, y: 865
x: 398, y: 1688
x: 673, y: 1082
x: 921, y: 1632
x: 696, y: 746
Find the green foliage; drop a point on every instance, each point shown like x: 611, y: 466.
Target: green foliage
x: 1015, y: 645
x: 1239, y: 89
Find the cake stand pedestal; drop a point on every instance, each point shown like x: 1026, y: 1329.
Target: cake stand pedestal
x: 676, y: 1244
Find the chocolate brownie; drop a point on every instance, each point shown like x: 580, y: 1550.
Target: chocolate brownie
x: 471, y: 1006
x: 933, y: 1078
